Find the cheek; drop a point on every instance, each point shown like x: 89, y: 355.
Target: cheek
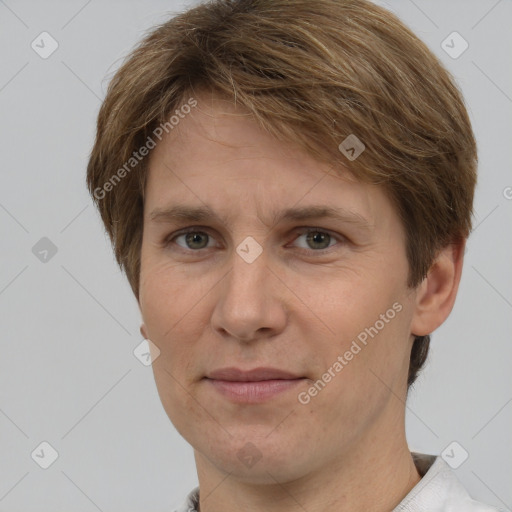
x: 367, y: 372
x: 167, y: 297
x: 171, y: 311
x: 348, y: 301
x: 166, y: 305
x: 368, y: 319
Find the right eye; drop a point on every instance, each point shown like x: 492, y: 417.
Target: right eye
x: 191, y: 240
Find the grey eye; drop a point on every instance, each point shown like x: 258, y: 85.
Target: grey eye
x: 193, y: 240
x: 318, y: 239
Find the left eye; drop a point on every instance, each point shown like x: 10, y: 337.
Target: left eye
x: 316, y: 240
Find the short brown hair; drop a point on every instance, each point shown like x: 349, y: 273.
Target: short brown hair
x: 311, y: 73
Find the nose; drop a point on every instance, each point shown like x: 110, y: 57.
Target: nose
x: 251, y: 301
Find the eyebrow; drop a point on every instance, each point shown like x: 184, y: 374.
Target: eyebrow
x: 204, y: 213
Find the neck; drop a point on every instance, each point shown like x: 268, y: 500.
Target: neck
x: 375, y: 474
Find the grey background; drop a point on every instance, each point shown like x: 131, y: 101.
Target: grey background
x: 69, y: 326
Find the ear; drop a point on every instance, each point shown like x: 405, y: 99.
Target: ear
x: 144, y: 331
x: 436, y: 294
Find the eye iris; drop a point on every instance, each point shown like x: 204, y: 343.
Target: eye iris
x: 194, y: 240
x: 316, y: 237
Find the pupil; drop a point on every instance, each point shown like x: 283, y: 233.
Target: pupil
x: 194, y: 240
x: 319, y: 238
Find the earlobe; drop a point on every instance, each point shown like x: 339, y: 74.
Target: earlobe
x: 436, y: 294
x: 144, y: 331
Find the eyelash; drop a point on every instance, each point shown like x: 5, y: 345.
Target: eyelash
x: 299, y: 231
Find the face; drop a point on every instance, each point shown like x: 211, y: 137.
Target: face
x: 259, y: 259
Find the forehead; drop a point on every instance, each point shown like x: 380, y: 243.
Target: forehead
x: 218, y: 156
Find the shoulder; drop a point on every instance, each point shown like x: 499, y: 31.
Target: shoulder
x: 439, y: 490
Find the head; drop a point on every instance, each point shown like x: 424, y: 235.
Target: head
x: 232, y: 118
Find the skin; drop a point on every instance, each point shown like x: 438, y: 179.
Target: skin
x: 297, y: 306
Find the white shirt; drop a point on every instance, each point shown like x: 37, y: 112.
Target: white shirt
x: 439, y: 490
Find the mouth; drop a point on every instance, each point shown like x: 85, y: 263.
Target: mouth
x: 252, y: 386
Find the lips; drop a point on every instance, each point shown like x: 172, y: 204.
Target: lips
x: 253, y: 386
x: 256, y: 374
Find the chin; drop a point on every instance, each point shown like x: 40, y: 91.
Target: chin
x: 256, y: 458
